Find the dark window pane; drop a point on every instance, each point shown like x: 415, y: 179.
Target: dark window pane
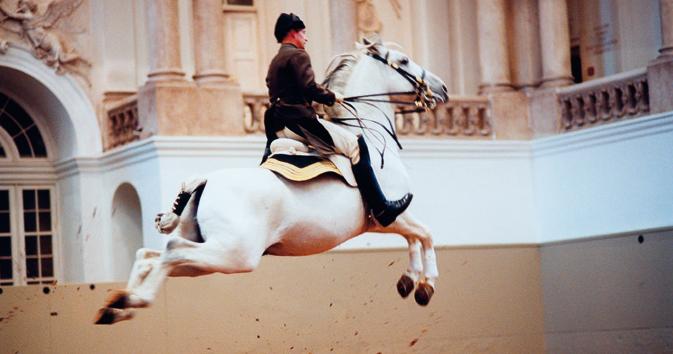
x: 31, y: 245
x: 2, y: 152
x: 240, y: 2
x: 4, y: 221
x: 47, y: 267
x: 10, y: 126
x: 4, y: 200
x: 45, y: 221
x: 37, y: 142
x: 28, y: 199
x: 23, y: 146
x: 33, y: 282
x: 31, y: 268
x: 43, y: 198
x: 5, y: 269
x: 45, y: 245
x: 5, y: 246
x: 19, y: 114
x: 29, y: 222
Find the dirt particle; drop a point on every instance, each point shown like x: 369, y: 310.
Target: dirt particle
x: 331, y: 304
x: 92, y: 286
x: 271, y: 288
x: 256, y: 319
x: 291, y: 348
x: 258, y: 336
x: 356, y: 333
x: 391, y: 263
x: 53, y: 314
x: 413, y: 342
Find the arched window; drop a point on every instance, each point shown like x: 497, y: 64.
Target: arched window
x: 27, y: 213
x: 21, y: 128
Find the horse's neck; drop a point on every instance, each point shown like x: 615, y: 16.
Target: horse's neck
x: 368, y: 78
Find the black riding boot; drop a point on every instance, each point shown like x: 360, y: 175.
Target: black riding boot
x: 383, y: 210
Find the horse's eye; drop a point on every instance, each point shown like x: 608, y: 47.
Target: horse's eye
x: 404, y: 61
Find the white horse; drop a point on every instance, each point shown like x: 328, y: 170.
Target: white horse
x: 239, y: 215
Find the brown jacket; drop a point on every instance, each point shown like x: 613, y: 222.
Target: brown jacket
x: 292, y: 90
x: 291, y: 79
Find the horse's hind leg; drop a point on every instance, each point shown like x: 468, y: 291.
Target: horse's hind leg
x: 180, y: 258
x: 420, y: 247
x: 165, y: 223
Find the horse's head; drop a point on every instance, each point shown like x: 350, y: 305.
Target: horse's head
x: 406, y: 75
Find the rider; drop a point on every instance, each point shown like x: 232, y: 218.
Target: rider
x: 292, y: 89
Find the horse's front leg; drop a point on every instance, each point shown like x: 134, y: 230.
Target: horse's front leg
x: 421, y: 251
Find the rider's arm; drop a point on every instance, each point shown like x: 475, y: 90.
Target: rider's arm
x: 306, y: 78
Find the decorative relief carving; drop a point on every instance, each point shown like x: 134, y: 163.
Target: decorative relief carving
x: 585, y: 106
x: 40, y: 33
x: 367, y: 18
x: 462, y: 117
x: 122, y: 123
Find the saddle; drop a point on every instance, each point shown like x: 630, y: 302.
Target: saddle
x: 298, y: 162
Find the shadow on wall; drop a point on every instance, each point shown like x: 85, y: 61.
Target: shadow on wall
x: 126, y: 237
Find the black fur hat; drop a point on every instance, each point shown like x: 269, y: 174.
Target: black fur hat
x: 285, y: 23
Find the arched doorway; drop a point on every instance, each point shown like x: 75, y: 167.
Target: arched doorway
x: 127, y: 234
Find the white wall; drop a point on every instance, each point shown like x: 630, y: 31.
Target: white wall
x: 599, y: 181
x: 604, y: 180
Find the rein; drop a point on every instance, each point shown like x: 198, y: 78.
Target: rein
x: 424, y: 99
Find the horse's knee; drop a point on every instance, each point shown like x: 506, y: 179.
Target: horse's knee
x: 145, y: 253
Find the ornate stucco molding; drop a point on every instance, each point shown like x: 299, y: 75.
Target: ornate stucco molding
x: 23, y: 25
x: 367, y: 19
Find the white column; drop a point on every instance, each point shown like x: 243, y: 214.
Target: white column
x: 525, y: 50
x: 493, y: 55
x: 666, y: 14
x: 209, y: 42
x: 343, y: 25
x: 164, y: 40
x: 555, y: 43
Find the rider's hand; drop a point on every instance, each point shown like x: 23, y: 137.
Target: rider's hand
x: 339, y: 98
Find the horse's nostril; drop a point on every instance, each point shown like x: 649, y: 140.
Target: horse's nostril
x: 446, y: 90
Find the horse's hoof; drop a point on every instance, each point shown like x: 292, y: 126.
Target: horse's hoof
x: 424, y: 293
x: 405, y: 285
x: 118, y: 299
x: 107, y: 316
x: 166, y: 223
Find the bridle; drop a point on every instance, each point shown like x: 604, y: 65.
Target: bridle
x: 424, y: 99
